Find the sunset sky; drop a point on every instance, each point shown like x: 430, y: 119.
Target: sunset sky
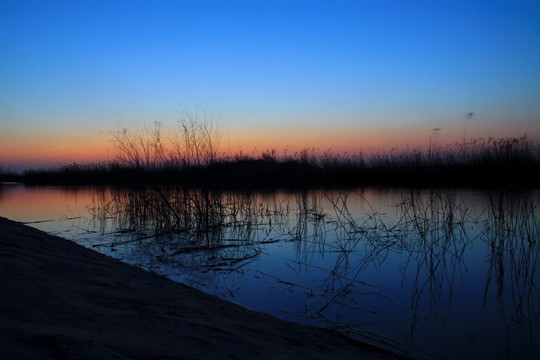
x: 347, y: 75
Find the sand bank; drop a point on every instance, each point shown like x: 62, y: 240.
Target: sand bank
x: 59, y: 300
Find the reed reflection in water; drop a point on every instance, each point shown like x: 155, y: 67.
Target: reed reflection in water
x: 512, y: 231
x: 435, y: 271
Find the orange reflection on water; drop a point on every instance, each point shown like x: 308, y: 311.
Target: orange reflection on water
x: 29, y: 204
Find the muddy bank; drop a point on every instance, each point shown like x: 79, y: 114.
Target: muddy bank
x: 62, y: 301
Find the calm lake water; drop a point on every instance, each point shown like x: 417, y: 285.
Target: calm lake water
x: 437, y: 274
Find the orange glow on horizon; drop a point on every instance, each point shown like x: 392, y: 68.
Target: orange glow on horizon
x: 336, y: 140
x: 53, y: 149
x: 47, y: 149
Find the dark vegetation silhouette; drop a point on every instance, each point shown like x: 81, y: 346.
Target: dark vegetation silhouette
x: 7, y: 175
x: 170, y: 198
x: 224, y: 231
x: 188, y: 155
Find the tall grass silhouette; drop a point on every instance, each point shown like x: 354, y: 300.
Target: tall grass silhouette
x: 188, y: 154
x: 431, y: 233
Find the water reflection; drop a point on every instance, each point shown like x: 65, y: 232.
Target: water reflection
x: 451, y: 273
x: 512, y: 231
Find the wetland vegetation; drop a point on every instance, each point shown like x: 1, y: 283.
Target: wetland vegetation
x: 189, y: 155
x: 415, y: 270
x: 344, y: 267
x: 439, y: 257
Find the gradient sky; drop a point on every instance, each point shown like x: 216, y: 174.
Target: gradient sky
x: 346, y: 75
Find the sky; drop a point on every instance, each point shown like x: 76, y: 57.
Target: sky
x: 342, y: 75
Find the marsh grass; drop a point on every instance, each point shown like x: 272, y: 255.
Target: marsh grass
x: 431, y: 232
x: 201, y: 223
x: 174, y: 199
x: 512, y: 231
x: 434, y: 233
x: 188, y: 155
x: 7, y: 175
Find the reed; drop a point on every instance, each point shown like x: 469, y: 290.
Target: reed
x: 188, y: 154
x: 511, y: 228
x: 431, y: 232
x: 193, y: 221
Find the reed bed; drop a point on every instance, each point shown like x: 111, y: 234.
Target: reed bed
x: 188, y: 154
x: 192, y: 221
x: 512, y: 231
x: 213, y: 231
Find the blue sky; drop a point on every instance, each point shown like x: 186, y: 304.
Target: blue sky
x: 340, y: 74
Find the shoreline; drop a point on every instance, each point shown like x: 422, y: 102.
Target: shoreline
x: 61, y: 300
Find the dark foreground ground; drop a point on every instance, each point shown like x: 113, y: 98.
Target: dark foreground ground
x: 59, y: 300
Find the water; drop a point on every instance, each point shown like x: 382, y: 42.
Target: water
x: 449, y: 274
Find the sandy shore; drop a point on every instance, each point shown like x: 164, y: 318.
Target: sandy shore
x: 59, y: 300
